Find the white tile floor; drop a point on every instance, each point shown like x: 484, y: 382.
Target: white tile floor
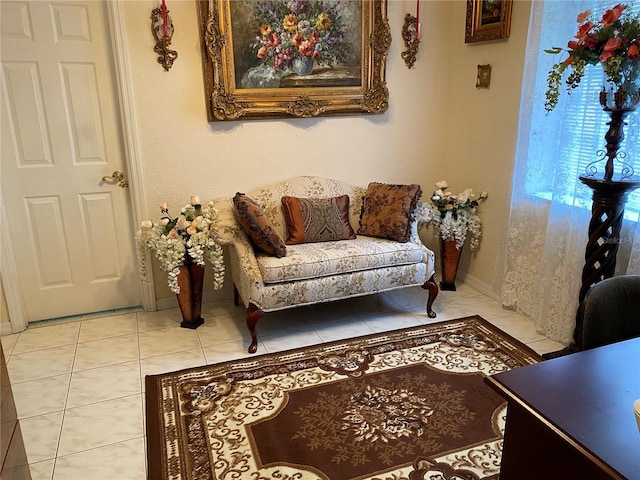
x: 79, y: 386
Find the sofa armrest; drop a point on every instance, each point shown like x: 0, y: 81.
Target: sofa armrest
x: 227, y: 231
x: 423, y: 215
x: 225, y: 228
x: 425, y: 212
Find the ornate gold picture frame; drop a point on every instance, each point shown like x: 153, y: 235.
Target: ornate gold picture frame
x: 488, y: 20
x: 256, y: 58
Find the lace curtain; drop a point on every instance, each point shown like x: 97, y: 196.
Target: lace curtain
x: 540, y: 273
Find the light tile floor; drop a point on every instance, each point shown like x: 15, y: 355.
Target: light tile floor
x: 79, y: 385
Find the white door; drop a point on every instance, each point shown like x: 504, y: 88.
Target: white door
x: 71, y: 232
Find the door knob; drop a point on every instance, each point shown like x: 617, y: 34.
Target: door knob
x: 116, y: 176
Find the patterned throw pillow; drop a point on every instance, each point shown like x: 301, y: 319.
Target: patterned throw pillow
x: 257, y: 226
x: 317, y: 219
x: 388, y: 210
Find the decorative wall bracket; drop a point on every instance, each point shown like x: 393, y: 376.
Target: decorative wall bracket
x: 162, y: 29
x: 411, y: 37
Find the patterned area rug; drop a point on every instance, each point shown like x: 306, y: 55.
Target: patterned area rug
x: 407, y: 404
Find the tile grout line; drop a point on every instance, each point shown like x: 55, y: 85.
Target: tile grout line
x: 66, y: 402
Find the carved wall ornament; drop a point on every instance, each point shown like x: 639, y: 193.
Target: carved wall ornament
x: 162, y: 29
x: 411, y: 37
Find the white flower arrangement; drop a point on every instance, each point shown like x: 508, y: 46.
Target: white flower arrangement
x: 173, y: 238
x: 457, y: 215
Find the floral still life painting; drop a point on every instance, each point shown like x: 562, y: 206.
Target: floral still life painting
x: 278, y: 41
x: 294, y: 58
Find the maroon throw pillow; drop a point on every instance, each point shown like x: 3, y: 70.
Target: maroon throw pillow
x: 257, y: 226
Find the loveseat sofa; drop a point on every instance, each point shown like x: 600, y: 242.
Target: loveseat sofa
x: 308, y: 240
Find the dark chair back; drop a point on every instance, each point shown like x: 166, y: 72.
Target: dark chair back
x: 610, y: 312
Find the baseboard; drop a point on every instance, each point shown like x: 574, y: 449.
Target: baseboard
x: 5, y: 329
x: 479, y: 285
x: 167, y: 303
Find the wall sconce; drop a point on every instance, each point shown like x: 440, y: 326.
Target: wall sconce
x: 483, y: 79
x: 162, y: 29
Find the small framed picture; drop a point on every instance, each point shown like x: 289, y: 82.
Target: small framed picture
x: 484, y: 76
x: 488, y: 20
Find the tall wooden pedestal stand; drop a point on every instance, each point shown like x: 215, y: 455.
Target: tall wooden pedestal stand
x: 607, y: 211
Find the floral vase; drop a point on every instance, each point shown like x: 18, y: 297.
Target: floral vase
x: 449, y: 258
x: 625, y: 92
x: 619, y: 100
x: 190, y: 281
x: 302, y: 65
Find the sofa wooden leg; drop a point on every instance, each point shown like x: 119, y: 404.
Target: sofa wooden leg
x: 253, y: 315
x: 236, y: 296
x: 433, y: 293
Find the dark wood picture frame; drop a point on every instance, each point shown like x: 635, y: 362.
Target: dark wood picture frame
x: 238, y: 90
x: 488, y: 20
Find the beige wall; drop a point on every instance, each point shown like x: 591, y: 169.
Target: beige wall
x: 481, y: 127
x: 438, y: 124
x: 184, y: 154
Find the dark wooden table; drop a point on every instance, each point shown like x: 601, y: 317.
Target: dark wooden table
x: 572, y: 417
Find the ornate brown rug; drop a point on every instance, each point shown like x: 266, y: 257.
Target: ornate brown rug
x: 407, y: 404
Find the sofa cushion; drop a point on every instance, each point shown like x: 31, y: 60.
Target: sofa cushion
x: 311, y: 260
x: 387, y: 211
x: 311, y: 220
x: 257, y: 226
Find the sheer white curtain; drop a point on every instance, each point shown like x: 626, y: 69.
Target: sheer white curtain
x: 540, y: 273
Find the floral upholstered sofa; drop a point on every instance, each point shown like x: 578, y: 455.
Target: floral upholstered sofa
x: 308, y: 240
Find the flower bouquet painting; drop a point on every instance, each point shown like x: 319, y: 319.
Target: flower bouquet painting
x: 274, y: 39
x: 294, y: 58
x: 454, y: 219
x: 180, y: 244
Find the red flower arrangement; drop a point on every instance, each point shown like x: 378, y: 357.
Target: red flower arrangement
x: 613, y: 41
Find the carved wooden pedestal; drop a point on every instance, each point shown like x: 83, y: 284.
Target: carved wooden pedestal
x: 607, y: 211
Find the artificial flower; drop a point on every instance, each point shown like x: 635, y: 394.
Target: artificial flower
x: 456, y: 217
x: 611, y: 41
x: 172, y: 239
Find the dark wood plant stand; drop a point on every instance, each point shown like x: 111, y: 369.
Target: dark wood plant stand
x: 449, y: 261
x: 190, y: 281
x: 607, y: 212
